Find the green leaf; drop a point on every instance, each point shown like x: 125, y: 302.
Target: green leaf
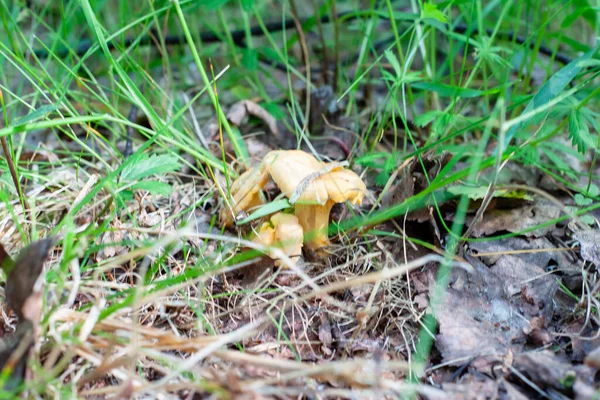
x: 241, y: 92
x: 154, y: 187
x: 393, y: 60
x: 140, y: 166
x: 250, y: 59
x: 589, y: 14
x: 35, y: 115
x: 587, y: 219
x: 570, y: 18
x: 425, y: 119
x: 593, y: 192
x: 579, y: 132
x: 274, y: 109
x: 267, y: 209
x: 214, y: 4
x: 451, y: 91
x: 589, y: 63
x: 551, y: 89
x: 431, y: 11
x: 478, y: 192
x: 269, y: 54
x: 375, y: 159
x: 440, y: 124
x: 247, y: 5
x: 564, y: 167
x: 580, y: 200
x: 382, y: 178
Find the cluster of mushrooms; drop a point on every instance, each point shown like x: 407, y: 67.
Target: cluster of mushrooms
x: 311, y: 186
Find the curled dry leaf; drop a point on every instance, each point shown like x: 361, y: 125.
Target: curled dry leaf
x: 589, y: 243
x: 24, y: 273
x: 238, y: 112
x: 26, y: 301
x: 518, y: 220
x: 242, y: 109
x: 284, y: 232
x: 313, y: 187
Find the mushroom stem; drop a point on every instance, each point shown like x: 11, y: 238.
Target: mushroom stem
x: 314, y: 219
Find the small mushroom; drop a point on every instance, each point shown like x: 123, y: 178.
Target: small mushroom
x: 313, y: 187
x: 283, y: 232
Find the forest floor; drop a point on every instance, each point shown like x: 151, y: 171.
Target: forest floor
x: 459, y: 264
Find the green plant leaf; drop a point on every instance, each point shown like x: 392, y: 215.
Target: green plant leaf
x: 559, y: 162
x: 579, y: 132
x: 274, y: 109
x: 267, y: 209
x: 35, y: 115
x: 393, y: 60
x: 140, y: 166
x: 382, y: 178
x: 440, y: 124
x: 247, y: 5
x: 551, y: 89
x: 425, y: 119
x: 154, y: 187
x: 580, y: 200
x: 250, y: 59
x: 587, y: 219
x: 451, y: 91
x: 478, y: 192
x: 241, y: 92
x: 214, y: 4
x: 431, y: 11
x: 588, y: 13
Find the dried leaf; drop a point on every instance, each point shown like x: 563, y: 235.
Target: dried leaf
x: 589, y: 243
x: 242, y: 109
x: 26, y: 302
x: 548, y: 370
x: 14, y: 352
x: 325, y: 335
x: 519, y: 220
x: 25, y: 273
x: 477, y: 317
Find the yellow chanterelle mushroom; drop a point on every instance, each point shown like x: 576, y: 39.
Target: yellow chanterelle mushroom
x: 313, y: 187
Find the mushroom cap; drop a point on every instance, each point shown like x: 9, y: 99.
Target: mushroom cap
x: 343, y: 185
x: 319, y: 182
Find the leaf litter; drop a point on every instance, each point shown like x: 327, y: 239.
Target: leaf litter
x: 500, y: 324
x: 490, y: 319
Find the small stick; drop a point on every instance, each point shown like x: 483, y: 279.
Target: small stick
x: 336, y: 50
x: 325, y: 72
x: 11, y: 165
x: 306, y: 61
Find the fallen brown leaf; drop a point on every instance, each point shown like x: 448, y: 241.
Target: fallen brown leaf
x: 482, y: 315
x: 518, y: 220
